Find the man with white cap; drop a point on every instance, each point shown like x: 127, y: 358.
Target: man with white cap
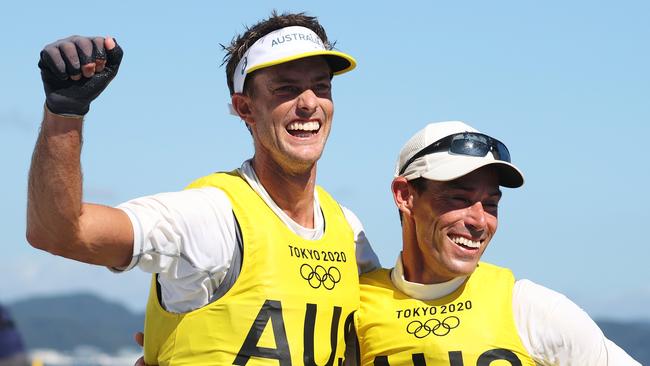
x: 440, y: 305
x: 257, y: 264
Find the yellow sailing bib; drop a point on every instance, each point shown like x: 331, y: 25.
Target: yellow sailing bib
x: 472, y: 326
x: 289, y: 305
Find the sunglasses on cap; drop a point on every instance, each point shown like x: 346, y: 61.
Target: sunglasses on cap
x: 465, y: 143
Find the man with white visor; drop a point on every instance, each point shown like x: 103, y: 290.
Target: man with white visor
x: 440, y: 305
x: 257, y: 264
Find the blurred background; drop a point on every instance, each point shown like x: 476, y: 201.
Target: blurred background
x: 564, y: 84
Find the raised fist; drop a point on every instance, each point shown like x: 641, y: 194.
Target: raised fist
x: 75, y: 70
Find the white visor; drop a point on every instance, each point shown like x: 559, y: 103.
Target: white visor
x: 284, y: 45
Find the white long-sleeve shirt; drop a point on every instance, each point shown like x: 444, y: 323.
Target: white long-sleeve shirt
x: 189, y: 237
x: 553, y: 329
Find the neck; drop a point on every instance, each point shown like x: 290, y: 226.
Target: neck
x: 292, y: 191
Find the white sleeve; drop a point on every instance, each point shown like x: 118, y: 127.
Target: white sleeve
x: 366, y: 258
x: 555, y: 331
x: 195, y: 226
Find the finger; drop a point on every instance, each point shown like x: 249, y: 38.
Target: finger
x: 52, y: 63
x: 139, y: 338
x: 99, y: 53
x: 71, y: 58
x: 114, y: 53
x: 110, y: 43
x: 88, y: 70
x: 84, y: 49
x: 85, y: 53
x: 99, y: 65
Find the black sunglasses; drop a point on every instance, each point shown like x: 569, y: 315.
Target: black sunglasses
x: 465, y: 143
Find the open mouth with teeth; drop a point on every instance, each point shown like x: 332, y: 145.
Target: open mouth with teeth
x: 466, y: 243
x: 303, y: 129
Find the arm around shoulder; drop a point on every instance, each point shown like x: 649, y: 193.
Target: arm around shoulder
x: 367, y: 259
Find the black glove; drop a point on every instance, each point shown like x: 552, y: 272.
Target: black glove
x: 63, y: 59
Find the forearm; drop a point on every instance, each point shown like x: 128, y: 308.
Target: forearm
x: 55, y: 184
x: 57, y: 219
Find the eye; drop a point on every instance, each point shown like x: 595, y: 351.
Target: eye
x: 287, y: 89
x: 322, y: 88
x: 460, y: 200
x: 491, y: 205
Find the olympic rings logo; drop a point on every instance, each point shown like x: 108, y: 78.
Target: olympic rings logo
x: 433, y: 326
x: 319, y: 276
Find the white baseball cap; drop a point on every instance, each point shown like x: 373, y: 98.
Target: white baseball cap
x: 284, y: 45
x: 445, y: 151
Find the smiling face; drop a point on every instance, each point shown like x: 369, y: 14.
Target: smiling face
x: 452, y: 224
x: 289, y: 112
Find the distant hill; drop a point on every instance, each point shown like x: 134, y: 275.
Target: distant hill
x: 68, y: 321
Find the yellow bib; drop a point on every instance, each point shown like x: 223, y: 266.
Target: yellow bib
x: 289, y: 305
x: 472, y: 326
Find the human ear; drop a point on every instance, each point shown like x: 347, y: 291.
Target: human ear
x: 241, y: 103
x: 402, y: 195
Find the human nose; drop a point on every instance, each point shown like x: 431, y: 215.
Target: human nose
x: 476, y: 217
x: 307, y: 102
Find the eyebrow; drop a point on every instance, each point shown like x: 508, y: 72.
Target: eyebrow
x: 458, y: 186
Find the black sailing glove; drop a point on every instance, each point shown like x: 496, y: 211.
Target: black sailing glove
x: 63, y: 59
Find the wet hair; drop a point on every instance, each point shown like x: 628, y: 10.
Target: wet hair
x: 240, y: 43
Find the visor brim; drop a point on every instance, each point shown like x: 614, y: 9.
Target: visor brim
x: 509, y: 175
x: 339, y: 62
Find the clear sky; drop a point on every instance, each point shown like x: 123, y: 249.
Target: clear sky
x: 565, y: 84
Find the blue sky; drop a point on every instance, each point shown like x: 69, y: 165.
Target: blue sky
x: 564, y: 84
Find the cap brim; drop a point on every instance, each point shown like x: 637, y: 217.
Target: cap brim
x: 339, y: 62
x: 509, y: 175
